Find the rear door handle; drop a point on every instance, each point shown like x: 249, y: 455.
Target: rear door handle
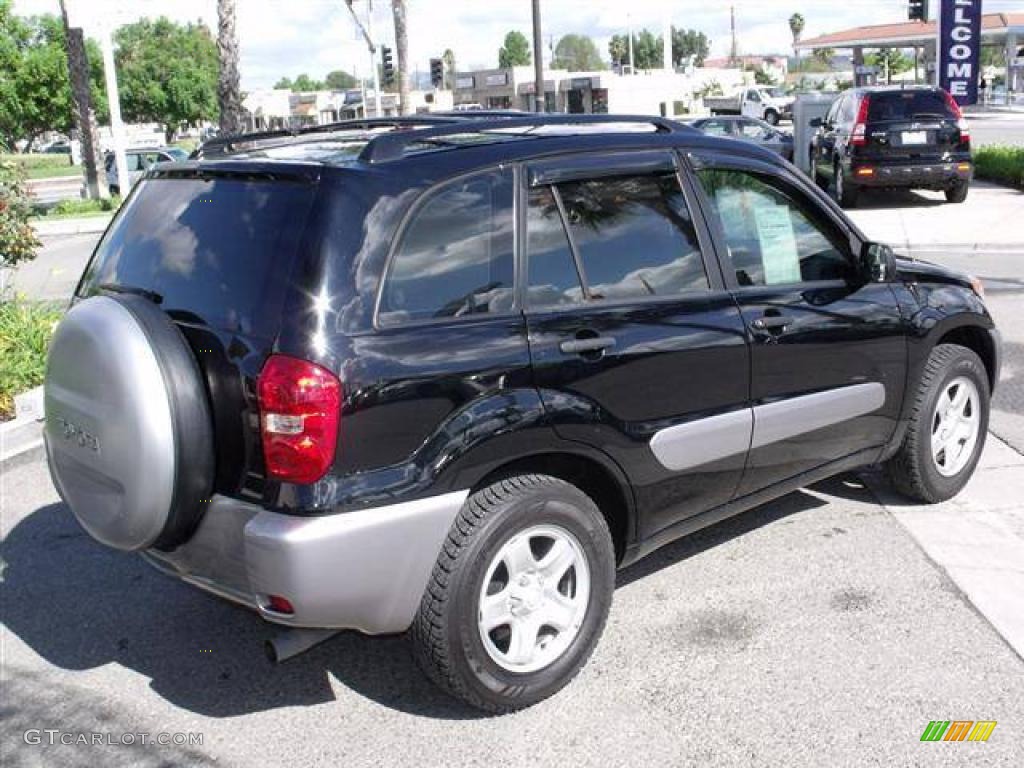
x: 583, y: 346
x: 772, y: 322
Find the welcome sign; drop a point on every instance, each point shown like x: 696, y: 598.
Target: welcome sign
x: 960, y: 49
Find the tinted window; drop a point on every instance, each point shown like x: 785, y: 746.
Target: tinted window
x: 218, y: 250
x: 716, y: 128
x: 772, y: 232
x: 553, y: 278
x: 754, y: 132
x: 908, y: 105
x: 634, y: 236
x: 456, y: 255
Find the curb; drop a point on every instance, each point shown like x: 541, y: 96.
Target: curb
x: 78, y: 226
x: 19, y: 437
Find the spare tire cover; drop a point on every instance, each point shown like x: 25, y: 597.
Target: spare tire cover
x: 128, y: 430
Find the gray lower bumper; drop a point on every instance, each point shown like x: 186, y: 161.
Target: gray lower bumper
x: 363, y: 570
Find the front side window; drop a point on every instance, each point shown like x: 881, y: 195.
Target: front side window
x: 455, y: 257
x: 772, y: 233
x: 633, y: 236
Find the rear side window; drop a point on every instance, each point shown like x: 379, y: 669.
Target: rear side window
x: 455, y: 257
x: 908, y: 105
x: 633, y: 237
x: 219, y: 251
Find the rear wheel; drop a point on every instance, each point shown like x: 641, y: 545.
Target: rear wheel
x: 947, y: 429
x: 957, y: 193
x: 820, y: 180
x: 519, y: 595
x: 771, y: 117
x: 846, y: 193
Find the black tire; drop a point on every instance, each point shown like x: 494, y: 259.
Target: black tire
x: 958, y: 192
x: 820, y: 180
x: 114, y: 190
x: 846, y: 193
x: 771, y: 117
x: 912, y: 469
x: 446, y: 639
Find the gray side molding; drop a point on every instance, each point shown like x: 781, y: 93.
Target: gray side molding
x: 704, y: 440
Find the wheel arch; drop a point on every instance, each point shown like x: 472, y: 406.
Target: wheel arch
x: 980, y: 341
x: 603, y: 482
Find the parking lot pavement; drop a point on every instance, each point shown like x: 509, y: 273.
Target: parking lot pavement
x: 812, y: 631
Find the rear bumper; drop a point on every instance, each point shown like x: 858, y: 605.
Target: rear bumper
x: 938, y: 175
x: 363, y: 570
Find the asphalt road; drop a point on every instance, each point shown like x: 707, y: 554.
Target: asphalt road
x: 997, y: 128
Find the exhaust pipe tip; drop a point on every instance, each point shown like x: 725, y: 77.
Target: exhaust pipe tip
x: 292, y: 642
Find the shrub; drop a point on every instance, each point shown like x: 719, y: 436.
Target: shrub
x: 18, y: 240
x: 73, y: 207
x: 25, y: 331
x: 1002, y: 164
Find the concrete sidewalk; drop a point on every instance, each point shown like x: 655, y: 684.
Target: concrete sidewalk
x: 977, y: 538
x: 79, y: 225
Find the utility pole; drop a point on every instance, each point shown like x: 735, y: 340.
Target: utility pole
x: 666, y: 48
x: 367, y: 33
x: 733, y: 52
x: 539, y: 100
x: 629, y: 41
x: 402, y: 47
x: 85, y: 116
x: 114, y: 102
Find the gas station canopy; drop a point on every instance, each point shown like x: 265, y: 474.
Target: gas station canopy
x: 908, y: 34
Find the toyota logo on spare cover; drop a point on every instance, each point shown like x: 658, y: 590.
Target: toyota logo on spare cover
x: 960, y: 49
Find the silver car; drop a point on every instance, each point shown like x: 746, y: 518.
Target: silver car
x: 140, y: 161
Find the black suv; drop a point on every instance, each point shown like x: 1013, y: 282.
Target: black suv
x: 446, y: 377
x: 890, y: 137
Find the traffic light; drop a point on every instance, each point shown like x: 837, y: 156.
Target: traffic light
x: 387, y: 65
x: 437, y: 73
x: 917, y: 10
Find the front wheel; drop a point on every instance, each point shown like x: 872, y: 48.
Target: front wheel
x: 771, y: 117
x: 519, y: 595
x: 947, y: 429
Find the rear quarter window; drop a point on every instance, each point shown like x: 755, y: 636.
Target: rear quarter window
x: 218, y: 251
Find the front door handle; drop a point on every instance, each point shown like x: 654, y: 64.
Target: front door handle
x: 772, y: 323
x: 587, y: 345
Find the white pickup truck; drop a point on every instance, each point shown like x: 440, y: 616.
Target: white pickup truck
x: 763, y: 102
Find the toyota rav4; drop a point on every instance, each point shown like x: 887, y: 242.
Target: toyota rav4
x: 445, y: 376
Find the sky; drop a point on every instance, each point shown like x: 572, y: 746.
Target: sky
x: 288, y: 37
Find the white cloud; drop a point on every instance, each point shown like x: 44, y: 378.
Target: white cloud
x: 288, y: 37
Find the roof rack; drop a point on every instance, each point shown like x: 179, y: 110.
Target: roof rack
x: 223, y: 145
x: 390, y: 146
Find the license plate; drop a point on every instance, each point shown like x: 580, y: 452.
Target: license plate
x: 915, y: 137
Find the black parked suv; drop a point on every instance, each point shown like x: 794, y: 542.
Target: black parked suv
x: 892, y: 137
x: 447, y: 377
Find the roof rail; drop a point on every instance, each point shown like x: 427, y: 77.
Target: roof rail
x: 389, y: 146
x: 222, y: 145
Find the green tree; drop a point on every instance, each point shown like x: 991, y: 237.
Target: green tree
x: 761, y: 77
x: 647, y: 50
x: 305, y: 83
x: 823, y: 57
x: 577, y: 53
x: 35, y: 91
x: 339, y: 80
x: 618, y: 49
x: 687, y: 43
x: 890, y: 61
x: 284, y: 83
x: 167, y: 73
x: 516, y: 50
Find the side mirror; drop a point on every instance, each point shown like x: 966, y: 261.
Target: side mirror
x: 816, y: 122
x: 877, y: 263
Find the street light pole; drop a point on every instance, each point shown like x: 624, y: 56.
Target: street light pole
x: 367, y: 33
x: 538, y: 62
x: 114, y: 107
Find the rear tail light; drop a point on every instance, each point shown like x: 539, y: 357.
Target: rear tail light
x: 961, y: 122
x: 859, y: 138
x: 279, y: 604
x: 300, y: 414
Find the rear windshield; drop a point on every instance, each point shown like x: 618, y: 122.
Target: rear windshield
x: 908, y: 105
x: 218, y: 251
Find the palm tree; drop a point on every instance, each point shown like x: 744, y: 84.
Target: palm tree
x: 402, y: 51
x: 229, y: 96
x: 796, y: 27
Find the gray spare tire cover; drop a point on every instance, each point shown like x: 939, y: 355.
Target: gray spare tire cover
x: 128, y: 429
